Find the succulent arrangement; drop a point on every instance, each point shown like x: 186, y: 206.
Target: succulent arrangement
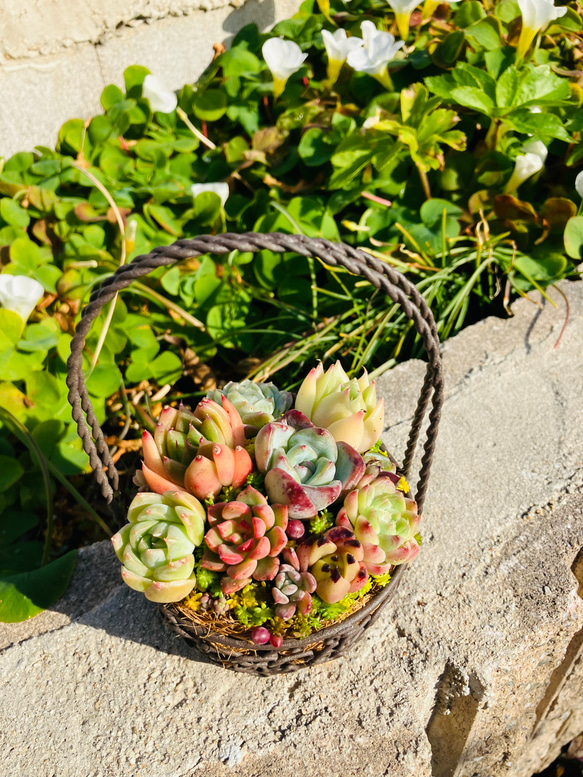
x: 277, y: 514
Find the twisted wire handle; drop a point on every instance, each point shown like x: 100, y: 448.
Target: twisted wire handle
x: 381, y: 275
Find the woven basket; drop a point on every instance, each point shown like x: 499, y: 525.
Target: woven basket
x: 332, y: 641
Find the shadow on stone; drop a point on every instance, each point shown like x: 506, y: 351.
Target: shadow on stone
x: 261, y: 12
x: 573, y: 655
x: 456, y: 705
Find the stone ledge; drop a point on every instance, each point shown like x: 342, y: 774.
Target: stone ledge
x: 40, y: 93
x: 474, y: 670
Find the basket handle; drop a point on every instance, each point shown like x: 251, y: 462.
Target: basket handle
x: 379, y: 274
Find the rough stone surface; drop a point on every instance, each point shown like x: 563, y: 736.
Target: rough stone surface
x: 472, y: 671
x: 56, y: 57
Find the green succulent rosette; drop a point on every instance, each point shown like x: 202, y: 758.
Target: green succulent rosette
x: 156, y: 546
x: 257, y: 403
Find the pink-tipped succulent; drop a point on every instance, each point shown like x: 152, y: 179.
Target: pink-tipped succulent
x: 215, y: 467
x: 156, y: 546
x: 245, y: 539
x: 384, y: 521
x: 347, y: 408
x: 292, y: 588
x: 304, y: 467
x: 187, y: 450
x: 336, y: 561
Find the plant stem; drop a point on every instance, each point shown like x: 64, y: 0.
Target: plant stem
x: 196, y: 132
x: 147, y: 291
x: 424, y: 182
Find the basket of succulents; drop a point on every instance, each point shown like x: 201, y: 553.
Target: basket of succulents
x: 271, y: 528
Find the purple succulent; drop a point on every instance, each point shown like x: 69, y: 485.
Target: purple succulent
x: 305, y: 468
x: 292, y: 589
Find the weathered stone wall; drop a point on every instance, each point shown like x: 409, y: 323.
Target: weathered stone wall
x: 56, y: 56
x: 473, y: 671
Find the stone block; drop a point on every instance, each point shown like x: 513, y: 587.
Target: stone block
x: 474, y: 669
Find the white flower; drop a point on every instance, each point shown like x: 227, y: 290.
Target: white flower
x: 526, y: 165
x: 403, y: 6
x: 579, y: 184
x: 20, y: 294
x: 536, y: 147
x: 338, y: 46
x: 158, y: 95
x: 378, y: 50
x: 219, y: 188
x: 536, y: 14
x: 283, y: 58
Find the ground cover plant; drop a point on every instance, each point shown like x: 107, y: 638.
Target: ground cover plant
x: 444, y: 139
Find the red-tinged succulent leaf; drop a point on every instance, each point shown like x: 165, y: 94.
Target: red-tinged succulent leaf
x: 291, y: 557
x: 305, y: 604
x: 224, y: 460
x: 243, y: 466
x: 225, y: 529
x: 350, y: 466
x: 231, y: 586
x: 229, y: 555
x: 359, y: 579
x: 259, y: 527
x: 201, y: 478
x: 269, y: 439
x: 265, y: 514
x: 404, y: 554
x: 266, y: 568
x: 235, y: 421
x: 243, y: 570
x: 173, y: 591
x: 152, y: 456
x: 279, y: 597
x: 252, y: 497
x: 297, y: 420
x: 280, y: 513
x: 285, y: 611
x: 309, y: 582
x: 373, y: 554
x: 277, y: 539
x: 212, y: 562
x: 158, y: 483
x: 379, y: 569
x: 261, y: 549
x: 343, y: 520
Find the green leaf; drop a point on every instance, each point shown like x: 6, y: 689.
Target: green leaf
x: 110, y: 96
x: 573, y: 238
x: 104, y: 381
x: 210, y: 105
x: 449, y: 50
x: 25, y: 595
x: 14, y: 523
x: 507, y: 10
x: 543, y: 124
x: 13, y: 213
x: 316, y: 147
x: 71, y: 135
x: 468, y: 12
x: 486, y: 34
x: 473, y: 97
x: 133, y: 77
x: 239, y: 61
x: 38, y: 337
x: 431, y: 211
x: 10, y: 472
x: 10, y: 328
x: 506, y: 87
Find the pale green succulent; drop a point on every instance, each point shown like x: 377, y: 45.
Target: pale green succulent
x: 156, y: 546
x: 257, y: 403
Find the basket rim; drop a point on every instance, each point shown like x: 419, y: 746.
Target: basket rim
x: 333, y: 630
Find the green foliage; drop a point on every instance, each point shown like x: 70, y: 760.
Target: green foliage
x: 415, y: 176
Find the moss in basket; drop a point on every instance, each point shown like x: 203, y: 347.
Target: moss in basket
x: 322, y: 522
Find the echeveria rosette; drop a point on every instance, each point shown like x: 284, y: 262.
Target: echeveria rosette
x: 384, y: 521
x: 156, y: 546
x: 292, y: 589
x: 257, y: 403
x: 245, y: 539
x: 336, y: 560
x: 304, y: 467
x: 182, y: 439
x: 347, y: 408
